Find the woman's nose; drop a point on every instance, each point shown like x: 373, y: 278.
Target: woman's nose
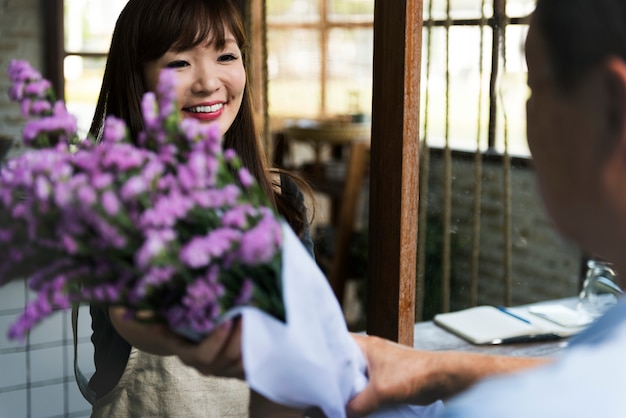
x: 206, y: 81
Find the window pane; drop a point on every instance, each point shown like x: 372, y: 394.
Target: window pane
x: 467, y: 92
x: 293, y: 11
x: 520, y: 8
x: 351, y: 10
x: 459, y: 9
x: 512, y: 94
x: 349, y: 72
x: 89, y: 24
x: 83, y: 78
x: 469, y: 9
x: 294, y: 64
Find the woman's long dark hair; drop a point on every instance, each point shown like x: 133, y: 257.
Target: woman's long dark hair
x: 147, y: 29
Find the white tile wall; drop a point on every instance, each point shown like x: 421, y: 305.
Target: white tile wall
x: 47, y: 401
x: 13, y: 366
x: 37, y: 376
x: 12, y: 404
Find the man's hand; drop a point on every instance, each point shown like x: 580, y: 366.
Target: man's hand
x: 401, y: 374
x: 394, y: 373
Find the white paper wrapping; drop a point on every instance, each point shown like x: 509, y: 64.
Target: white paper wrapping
x: 311, y: 360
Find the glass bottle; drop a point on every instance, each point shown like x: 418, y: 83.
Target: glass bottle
x: 599, y: 291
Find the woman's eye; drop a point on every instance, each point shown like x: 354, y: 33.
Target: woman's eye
x: 177, y: 64
x: 227, y: 57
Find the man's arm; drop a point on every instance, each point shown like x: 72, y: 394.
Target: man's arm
x: 401, y: 374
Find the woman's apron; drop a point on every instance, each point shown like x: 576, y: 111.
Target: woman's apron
x: 162, y: 386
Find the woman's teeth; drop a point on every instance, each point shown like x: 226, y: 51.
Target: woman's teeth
x: 205, y: 109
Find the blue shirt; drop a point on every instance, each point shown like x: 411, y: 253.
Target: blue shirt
x: 587, y: 380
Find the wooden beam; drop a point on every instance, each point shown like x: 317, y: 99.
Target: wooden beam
x: 257, y: 67
x: 53, y: 42
x: 394, y: 169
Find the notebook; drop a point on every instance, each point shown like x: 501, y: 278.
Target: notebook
x: 497, y: 325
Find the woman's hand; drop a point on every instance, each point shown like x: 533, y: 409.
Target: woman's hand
x: 219, y: 354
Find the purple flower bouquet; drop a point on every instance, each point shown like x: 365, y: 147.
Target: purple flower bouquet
x: 168, y: 223
x: 176, y: 227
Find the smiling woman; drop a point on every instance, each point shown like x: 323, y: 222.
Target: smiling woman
x: 204, y: 43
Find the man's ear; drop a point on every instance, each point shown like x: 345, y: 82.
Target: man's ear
x: 614, y: 168
x: 615, y: 89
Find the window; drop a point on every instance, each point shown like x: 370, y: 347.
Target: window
x: 319, y: 57
x: 473, y: 85
x: 88, y: 28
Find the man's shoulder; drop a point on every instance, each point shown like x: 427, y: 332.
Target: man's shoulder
x: 604, y: 327
x: 569, y: 386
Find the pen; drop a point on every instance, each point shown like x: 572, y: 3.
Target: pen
x: 527, y: 338
x: 508, y: 312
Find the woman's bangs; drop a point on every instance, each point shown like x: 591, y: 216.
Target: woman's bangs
x: 202, y: 25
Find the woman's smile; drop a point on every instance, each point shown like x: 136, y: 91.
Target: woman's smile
x: 204, y: 111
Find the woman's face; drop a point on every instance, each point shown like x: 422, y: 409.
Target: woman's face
x: 211, y: 81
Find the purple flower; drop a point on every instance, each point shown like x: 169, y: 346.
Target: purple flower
x: 156, y: 242
x: 35, y: 312
x: 167, y: 209
x: 258, y: 245
x: 110, y: 203
x: 134, y: 187
x: 16, y: 92
x: 38, y: 88
x: 200, y: 306
x: 152, y: 170
x: 245, y: 177
x: 42, y: 187
x: 21, y: 70
x: 69, y: 243
x: 203, y: 167
x: 122, y: 157
x: 245, y: 292
x: 201, y: 250
x: 105, y: 293
x: 62, y: 194
x: 166, y: 92
x: 40, y: 107
x: 237, y: 217
x: 229, y: 154
x: 25, y: 107
x: 153, y: 278
x: 216, y: 198
x: 86, y: 195
x: 149, y: 110
x: 61, y: 123
x: 191, y: 129
x: 101, y: 180
x: 114, y: 129
x: 186, y: 178
x: 6, y: 235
